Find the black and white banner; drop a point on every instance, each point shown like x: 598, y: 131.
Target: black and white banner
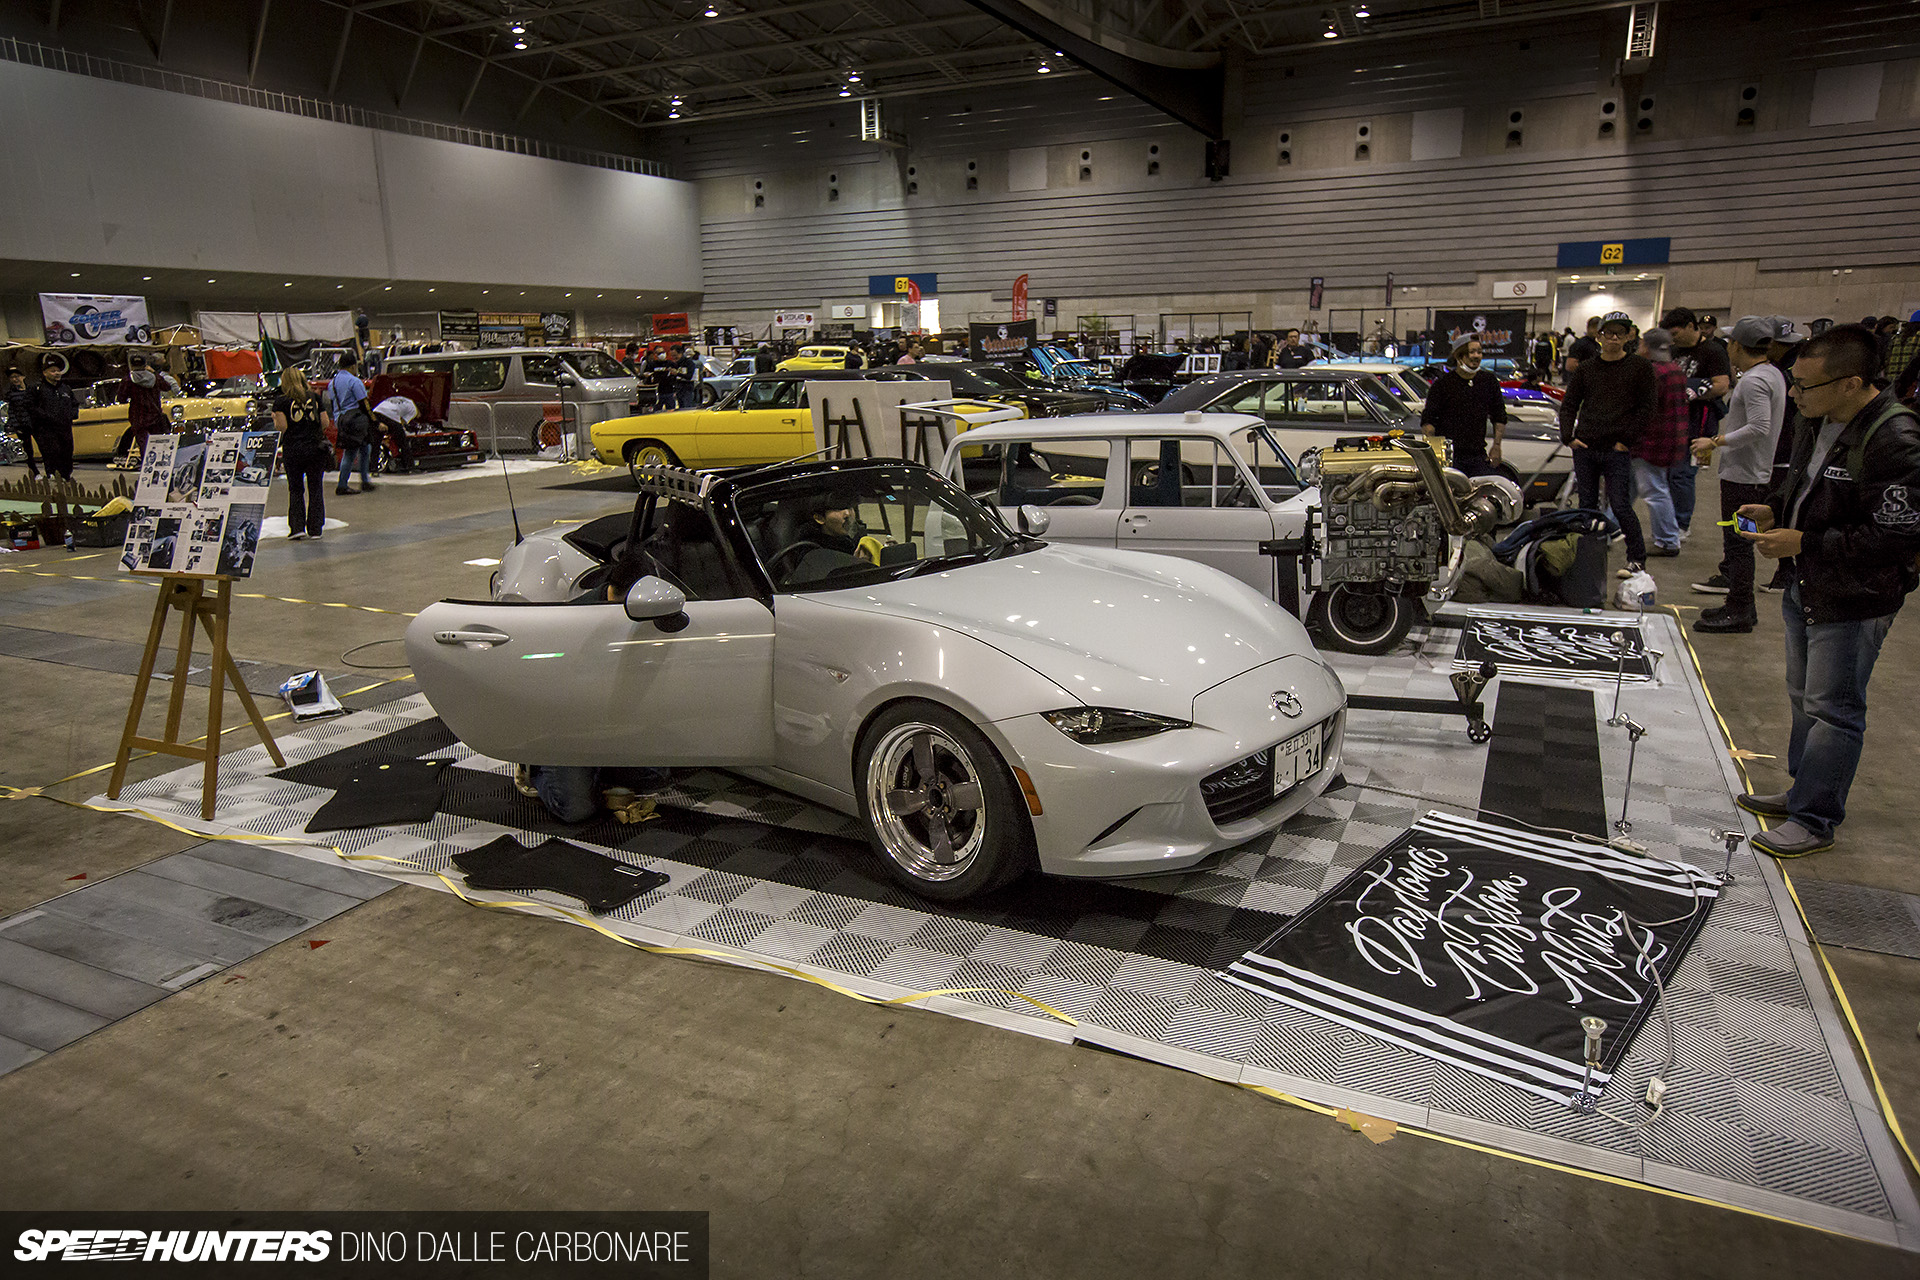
x: 1483, y: 947
x: 1527, y: 644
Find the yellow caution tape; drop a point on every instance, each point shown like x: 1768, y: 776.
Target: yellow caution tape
x: 238, y: 595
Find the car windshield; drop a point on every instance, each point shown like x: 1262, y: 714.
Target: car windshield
x: 864, y: 524
x: 982, y: 379
x: 1367, y: 389
x: 1418, y: 383
x: 595, y: 364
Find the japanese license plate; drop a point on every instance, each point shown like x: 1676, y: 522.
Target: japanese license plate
x: 1296, y: 760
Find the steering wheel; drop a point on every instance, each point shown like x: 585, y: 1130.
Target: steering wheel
x: 1232, y: 497
x: 780, y: 557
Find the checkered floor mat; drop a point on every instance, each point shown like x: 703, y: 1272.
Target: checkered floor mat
x: 1761, y: 1111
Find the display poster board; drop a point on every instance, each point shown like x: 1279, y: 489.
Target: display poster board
x: 200, y: 502
x: 512, y: 329
x: 94, y: 319
x: 460, y: 326
x: 879, y: 411
x: 557, y: 327
x: 1002, y: 343
x: 1502, y: 334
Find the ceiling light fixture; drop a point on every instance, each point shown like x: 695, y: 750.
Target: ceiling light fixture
x: 1360, y: 11
x: 146, y: 277
x: 1329, y: 34
x: 853, y: 77
x: 713, y: 11
x: 74, y: 274
x: 846, y: 93
x: 518, y: 28
x: 1044, y: 69
x: 211, y: 280
x: 386, y: 288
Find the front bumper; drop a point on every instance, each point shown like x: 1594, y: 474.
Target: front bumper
x: 1140, y: 807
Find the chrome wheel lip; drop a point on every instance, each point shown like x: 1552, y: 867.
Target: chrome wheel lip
x: 906, y: 836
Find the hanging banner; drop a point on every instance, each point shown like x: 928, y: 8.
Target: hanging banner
x: 1483, y: 947
x: 511, y: 329
x: 1001, y: 343
x: 1316, y: 292
x: 1502, y: 334
x: 460, y: 326
x: 671, y: 324
x: 97, y: 320
x: 1389, y: 288
x: 1019, y: 298
x: 793, y: 319
x: 913, y: 293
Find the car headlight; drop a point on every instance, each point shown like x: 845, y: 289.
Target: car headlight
x: 1096, y: 725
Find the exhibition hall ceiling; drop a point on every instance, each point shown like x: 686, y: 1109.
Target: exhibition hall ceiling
x: 604, y: 67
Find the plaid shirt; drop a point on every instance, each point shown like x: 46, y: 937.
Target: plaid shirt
x: 1902, y: 350
x: 1665, y: 441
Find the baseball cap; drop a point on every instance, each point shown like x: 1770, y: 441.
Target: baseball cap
x: 1460, y: 343
x: 1786, y: 332
x: 1753, y: 331
x: 1620, y: 318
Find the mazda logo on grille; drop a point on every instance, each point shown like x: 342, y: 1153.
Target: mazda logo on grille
x: 1285, y: 702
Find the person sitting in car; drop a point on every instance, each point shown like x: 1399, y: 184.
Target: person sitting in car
x: 830, y: 523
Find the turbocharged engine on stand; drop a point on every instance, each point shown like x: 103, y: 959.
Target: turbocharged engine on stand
x: 1389, y: 509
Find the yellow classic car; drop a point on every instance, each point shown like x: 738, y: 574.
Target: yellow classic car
x: 817, y: 358
x: 102, y: 431
x: 764, y: 419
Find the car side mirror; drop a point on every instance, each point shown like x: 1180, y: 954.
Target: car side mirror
x: 657, y: 601
x: 1032, y: 520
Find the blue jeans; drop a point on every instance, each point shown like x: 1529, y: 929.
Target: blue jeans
x: 1681, y: 484
x: 1828, y: 666
x: 1615, y: 466
x: 571, y: 793
x: 362, y: 455
x: 1655, y: 486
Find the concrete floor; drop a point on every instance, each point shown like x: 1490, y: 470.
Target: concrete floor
x: 433, y: 1056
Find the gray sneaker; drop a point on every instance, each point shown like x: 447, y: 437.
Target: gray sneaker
x: 1790, y: 840
x: 1773, y: 806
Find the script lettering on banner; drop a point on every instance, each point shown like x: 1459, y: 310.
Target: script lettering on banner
x: 1502, y: 334
x: 1483, y: 946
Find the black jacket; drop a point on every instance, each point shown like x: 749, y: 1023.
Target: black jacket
x: 20, y: 411
x: 1860, y: 534
x: 1608, y: 402
x: 52, y: 406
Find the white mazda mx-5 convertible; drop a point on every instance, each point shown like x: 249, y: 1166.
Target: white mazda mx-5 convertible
x: 865, y: 635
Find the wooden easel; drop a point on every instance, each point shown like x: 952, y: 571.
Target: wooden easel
x: 189, y: 595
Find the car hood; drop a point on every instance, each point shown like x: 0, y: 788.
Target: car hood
x: 1115, y: 628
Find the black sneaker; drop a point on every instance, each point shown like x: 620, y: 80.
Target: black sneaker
x: 1724, y: 622
x: 1717, y: 585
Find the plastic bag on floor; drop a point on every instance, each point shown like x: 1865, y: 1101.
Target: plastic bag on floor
x: 1636, y: 592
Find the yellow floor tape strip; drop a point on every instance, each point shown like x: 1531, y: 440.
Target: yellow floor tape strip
x: 1840, y: 993
x: 132, y: 580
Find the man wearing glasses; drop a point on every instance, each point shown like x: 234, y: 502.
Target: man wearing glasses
x: 1848, y: 511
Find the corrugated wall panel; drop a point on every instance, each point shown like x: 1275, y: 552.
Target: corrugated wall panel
x: 1841, y: 196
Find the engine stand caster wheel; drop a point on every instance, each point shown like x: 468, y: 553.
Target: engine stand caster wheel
x: 1478, y: 731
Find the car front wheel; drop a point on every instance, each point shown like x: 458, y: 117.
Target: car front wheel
x: 1361, y: 621
x: 940, y: 805
x: 648, y: 453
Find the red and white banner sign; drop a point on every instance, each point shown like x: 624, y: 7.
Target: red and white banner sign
x: 913, y: 293
x: 1019, y: 299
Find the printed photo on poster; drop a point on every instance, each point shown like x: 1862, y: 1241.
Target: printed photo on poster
x: 189, y: 463
x: 242, y: 539
x: 166, y: 542
x: 202, y: 550
x: 156, y: 472
x: 257, y: 452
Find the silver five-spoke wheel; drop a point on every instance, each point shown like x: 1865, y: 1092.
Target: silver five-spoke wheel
x: 928, y: 809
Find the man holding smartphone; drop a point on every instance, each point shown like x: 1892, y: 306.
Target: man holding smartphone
x: 1848, y: 512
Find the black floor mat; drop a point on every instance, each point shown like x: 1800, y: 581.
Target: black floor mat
x: 391, y: 794
x: 600, y: 882
x: 1543, y: 764
x: 402, y: 744
x: 1099, y: 913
